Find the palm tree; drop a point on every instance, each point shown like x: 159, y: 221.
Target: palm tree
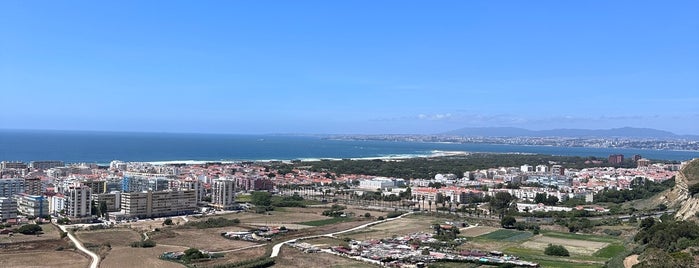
x: 430, y: 202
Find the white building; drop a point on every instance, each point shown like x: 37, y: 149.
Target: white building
x: 223, y: 194
x: 526, y: 168
x: 33, y: 205
x: 57, y: 203
x: 542, y: 168
x: 381, y: 183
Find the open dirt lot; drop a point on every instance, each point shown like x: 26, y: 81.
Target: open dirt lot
x: 474, y: 231
x: 63, y: 259
x: 237, y: 256
x: 115, y: 237
x: 581, y: 247
x: 291, y: 257
x: 139, y: 257
x: 205, y: 239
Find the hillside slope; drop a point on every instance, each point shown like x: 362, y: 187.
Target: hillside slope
x: 678, y: 197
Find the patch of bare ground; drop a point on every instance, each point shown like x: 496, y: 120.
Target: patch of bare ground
x: 291, y: 257
x: 50, y: 232
x: 630, y: 261
x: 115, y: 237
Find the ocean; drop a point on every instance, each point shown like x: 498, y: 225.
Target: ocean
x: 103, y: 147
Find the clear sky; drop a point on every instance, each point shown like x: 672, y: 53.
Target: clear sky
x: 348, y: 66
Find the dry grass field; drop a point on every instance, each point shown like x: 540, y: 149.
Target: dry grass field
x: 474, y: 231
x: 403, y: 226
x: 291, y: 257
x: 58, y: 259
x: 120, y: 257
x: 115, y: 237
x: 581, y: 247
x: 237, y: 256
x: 205, y: 239
x: 50, y: 233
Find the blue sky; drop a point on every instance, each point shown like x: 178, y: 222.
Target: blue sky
x: 348, y: 66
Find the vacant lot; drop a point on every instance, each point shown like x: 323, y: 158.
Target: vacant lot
x: 63, y: 259
x: 507, y: 235
x: 115, y: 237
x: 139, y: 257
x: 474, y: 231
x: 206, y: 239
x: 50, y: 233
x: 288, y: 215
x: 581, y: 247
x: 291, y: 257
x: 236, y: 256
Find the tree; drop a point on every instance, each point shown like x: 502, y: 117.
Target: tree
x: 647, y: 222
x: 260, y: 198
x: 103, y: 209
x: 556, y: 250
x: 29, y: 229
x: 501, y: 201
x: 168, y: 221
x: 551, y: 200
x: 540, y: 198
x: 508, y: 222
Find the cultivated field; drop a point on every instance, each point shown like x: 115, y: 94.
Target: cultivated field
x: 62, y: 259
x: 474, y: 231
x: 507, y: 235
x: 580, y: 247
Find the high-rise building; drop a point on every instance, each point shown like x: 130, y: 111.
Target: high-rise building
x: 8, y: 208
x: 616, y: 159
x: 140, y: 184
x: 97, y: 186
x: 77, y: 203
x: 11, y: 187
x: 223, y: 194
x: 637, y: 157
x: 112, y: 200
x: 542, y: 168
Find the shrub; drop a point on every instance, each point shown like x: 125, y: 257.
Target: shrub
x: 380, y: 218
x: 394, y: 214
x: 212, y: 223
x: 143, y: 244
x: 556, y: 250
x: 29, y: 229
x: 367, y: 215
x: 168, y: 221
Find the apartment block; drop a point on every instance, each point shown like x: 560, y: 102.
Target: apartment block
x: 77, y: 204
x: 44, y: 165
x: 33, y: 186
x: 158, y: 204
x: 8, y: 208
x: 113, y: 200
x: 223, y: 194
x: 33, y: 205
x: 11, y: 187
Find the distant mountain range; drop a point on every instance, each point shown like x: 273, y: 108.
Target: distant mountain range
x: 628, y: 132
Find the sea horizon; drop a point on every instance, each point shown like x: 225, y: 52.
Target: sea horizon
x: 103, y: 147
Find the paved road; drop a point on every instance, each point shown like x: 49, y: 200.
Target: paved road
x: 95, y: 258
x: 277, y: 247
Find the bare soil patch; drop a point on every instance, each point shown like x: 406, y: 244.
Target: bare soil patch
x: 50, y: 233
x: 630, y: 261
x: 237, y: 256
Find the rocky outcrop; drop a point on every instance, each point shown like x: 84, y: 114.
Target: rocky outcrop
x: 687, y: 206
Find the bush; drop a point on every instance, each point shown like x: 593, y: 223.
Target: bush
x: 556, y: 250
x: 143, y: 244
x: 29, y: 229
x: 394, y: 214
x: 367, y: 215
x: 212, y: 223
x: 612, y: 232
x: 168, y: 221
x: 380, y: 218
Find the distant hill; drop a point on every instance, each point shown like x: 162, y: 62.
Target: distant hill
x: 582, y: 133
